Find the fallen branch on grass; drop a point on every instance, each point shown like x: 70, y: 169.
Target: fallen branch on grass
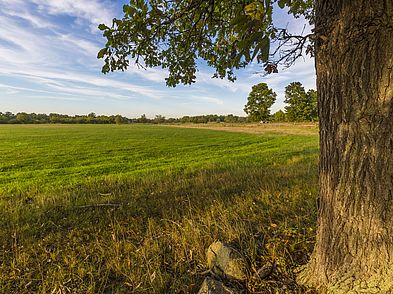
x: 100, y: 205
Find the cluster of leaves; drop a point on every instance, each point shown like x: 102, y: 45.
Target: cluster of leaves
x: 173, y: 34
x: 260, y: 99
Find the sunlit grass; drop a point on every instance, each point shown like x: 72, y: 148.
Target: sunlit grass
x: 106, y: 209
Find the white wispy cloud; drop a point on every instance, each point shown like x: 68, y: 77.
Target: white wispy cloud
x: 65, y: 91
x: 206, y: 99
x: 156, y: 75
x: 52, y: 78
x: 207, y: 79
x: 50, y: 59
x: 92, y: 11
x: 86, y: 47
x: 24, y: 14
x: 23, y: 42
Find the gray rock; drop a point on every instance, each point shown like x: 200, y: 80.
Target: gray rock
x: 211, y: 286
x: 226, y: 261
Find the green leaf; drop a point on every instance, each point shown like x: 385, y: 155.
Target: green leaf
x: 105, y: 68
x: 255, y: 10
x: 102, y: 53
x: 128, y: 10
x: 282, y: 3
x: 239, y: 19
x: 264, y: 47
x: 102, y: 27
x: 250, y: 8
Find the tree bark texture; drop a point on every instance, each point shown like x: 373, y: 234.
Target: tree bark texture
x: 354, y: 64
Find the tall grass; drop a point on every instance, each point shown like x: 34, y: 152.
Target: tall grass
x: 132, y: 209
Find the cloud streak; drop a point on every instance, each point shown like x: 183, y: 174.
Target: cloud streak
x: 50, y: 60
x: 92, y: 11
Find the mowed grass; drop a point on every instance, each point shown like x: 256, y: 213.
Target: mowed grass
x: 133, y: 208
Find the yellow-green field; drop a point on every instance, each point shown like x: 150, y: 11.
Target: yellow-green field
x: 133, y: 208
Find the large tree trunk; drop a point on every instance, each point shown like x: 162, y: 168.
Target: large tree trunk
x: 354, y: 63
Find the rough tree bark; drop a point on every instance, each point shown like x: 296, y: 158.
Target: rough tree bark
x: 354, y: 63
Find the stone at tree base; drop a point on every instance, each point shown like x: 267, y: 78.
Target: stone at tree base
x: 226, y: 261
x: 211, y: 286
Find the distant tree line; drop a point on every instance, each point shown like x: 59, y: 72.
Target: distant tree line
x: 92, y: 118
x: 230, y: 118
x: 55, y: 118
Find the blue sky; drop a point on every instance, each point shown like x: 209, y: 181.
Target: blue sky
x: 48, y: 64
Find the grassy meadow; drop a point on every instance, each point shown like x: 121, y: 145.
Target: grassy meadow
x: 133, y: 208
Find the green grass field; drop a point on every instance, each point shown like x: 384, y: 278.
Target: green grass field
x: 132, y: 208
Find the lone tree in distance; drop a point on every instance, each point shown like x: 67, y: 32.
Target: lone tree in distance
x: 302, y: 105
x: 352, y: 44
x: 260, y: 99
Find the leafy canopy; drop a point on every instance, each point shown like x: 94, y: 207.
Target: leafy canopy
x: 260, y: 99
x: 173, y: 34
x: 302, y: 105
